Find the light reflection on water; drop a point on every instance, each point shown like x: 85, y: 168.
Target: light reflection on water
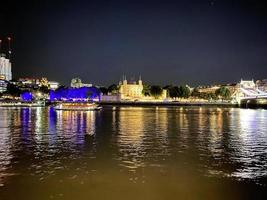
x: 131, y: 145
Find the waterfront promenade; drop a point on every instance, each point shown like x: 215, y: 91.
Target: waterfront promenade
x: 169, y: 103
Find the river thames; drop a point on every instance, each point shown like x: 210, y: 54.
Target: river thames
x: 133, y: 153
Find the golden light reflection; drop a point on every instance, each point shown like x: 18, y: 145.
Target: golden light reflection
x: 216, y: 132
x: 131, y: 125
x: 162, y: 121
x: 76, y: 121
x: 201, y: 121
x: 5, y: 145
x: 131, y: 133
x: 136, y: 127
x: 183, y: 123
x: 41, y: 129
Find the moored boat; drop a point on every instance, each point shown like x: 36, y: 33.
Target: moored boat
x: 81, y: 106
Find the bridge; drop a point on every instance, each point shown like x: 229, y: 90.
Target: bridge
x: 248, y: 93
x: 252, y: 94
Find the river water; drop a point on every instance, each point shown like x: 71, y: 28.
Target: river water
x: 133, y: 153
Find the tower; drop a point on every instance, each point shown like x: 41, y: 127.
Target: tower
x: 0, y: 46
x: 124, y: 82
x: 5, y: 63
x: 140, y: 81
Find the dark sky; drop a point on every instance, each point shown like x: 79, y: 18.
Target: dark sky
x: 189, y: 41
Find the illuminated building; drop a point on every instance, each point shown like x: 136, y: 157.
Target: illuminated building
x: 34, y: 81
x: 27, y: 96
x: 130, y: 90
x: 5, y: 68
x: 3, y: 85
x: 27, y: 83
x: 43, y: 82
x: 262, y: 84
x: 75, y: 94
x: 208, y: 89
x: 53, y: 85
x: 247, y: 89
x: 37, y: 82
x: 110, y: 98
x: 247, y: 84
x: 232, y: 87
x: 77, y: 83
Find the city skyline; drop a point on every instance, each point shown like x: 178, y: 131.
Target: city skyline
x: 185, y: 42
x: 133, y: 99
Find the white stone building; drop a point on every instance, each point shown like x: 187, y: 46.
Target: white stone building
x: 131, y: 90
x: 53, y: 85
x: 248, y: 84
x: 77, y: 83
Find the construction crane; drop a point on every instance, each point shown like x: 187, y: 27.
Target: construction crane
x: 9, y: 47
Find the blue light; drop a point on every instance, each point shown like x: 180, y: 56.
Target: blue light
x: 26, y: 96
x: 74, y: 94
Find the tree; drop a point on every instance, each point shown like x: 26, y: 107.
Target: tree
x: 173, y: 91
x: 183, y: 91
x: 103, y: 90
x: 211, y: 95
x: 156, y: 91
x: 44, y: 89
x: 195, y: 93
x: 113, y: 89
x: 146, y: 90
x: 223, y: 92
x: 13, y: 90
x: 168, y: 88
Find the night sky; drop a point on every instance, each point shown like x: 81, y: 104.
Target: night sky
x: 179, y: 42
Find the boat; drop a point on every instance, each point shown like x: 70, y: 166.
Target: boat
x: 79, y: 106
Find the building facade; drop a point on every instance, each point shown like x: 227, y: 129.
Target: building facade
x: 132, y: 90
x: 244, y: 89
x: 3, y: 86
x: 262, y: 85
x: 248, y: 84
x: 5, y: 68
x: 30, y: 83
x: 53, y: 85
x: 208, y: 89
x: 77, y: 83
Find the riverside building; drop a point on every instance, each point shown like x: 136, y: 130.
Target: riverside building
x: 5, y: 68
x: 3, y: 86
x: 131, y: 90
x: 77, y: 83
x: 262, y: 84
x: 37, y: 82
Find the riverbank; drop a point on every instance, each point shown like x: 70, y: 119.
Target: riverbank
x: 168, y: 103
x: 22, y: 104
x: 254, y: 103
x: 250, y: 104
